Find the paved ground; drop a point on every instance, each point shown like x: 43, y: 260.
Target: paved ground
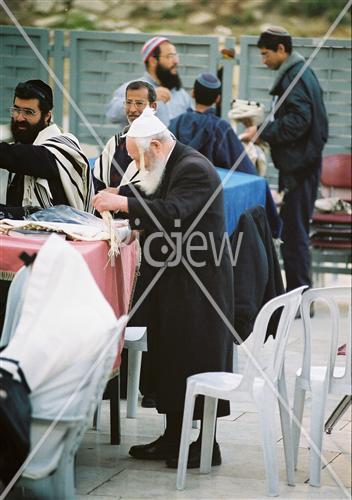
x: 106, y: 472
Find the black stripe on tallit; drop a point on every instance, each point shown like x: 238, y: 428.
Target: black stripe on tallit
x: 72, y: 181
x: 40, y: 198
x: 69, y: 158
x: 69, y: 142
x: 64, y: 139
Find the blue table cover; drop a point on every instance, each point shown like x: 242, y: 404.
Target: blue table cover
x: 241, y: 191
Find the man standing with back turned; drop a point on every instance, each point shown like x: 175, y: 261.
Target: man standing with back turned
x: 296, y: 135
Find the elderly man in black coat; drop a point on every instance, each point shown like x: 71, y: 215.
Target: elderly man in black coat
x: 185, y: 287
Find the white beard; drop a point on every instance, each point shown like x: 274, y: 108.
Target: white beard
x: 151, y: 179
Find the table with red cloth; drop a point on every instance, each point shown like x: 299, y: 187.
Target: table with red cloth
x: 115, y: 282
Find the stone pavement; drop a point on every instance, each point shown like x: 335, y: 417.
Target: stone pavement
x: 108, y: 472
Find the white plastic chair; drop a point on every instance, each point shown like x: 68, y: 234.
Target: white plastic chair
x: 71, y: 380
x: 216, y: 386
x: 50, y: 474
x: 14, y: 303
x: 136, y: 343
x: 321, y: 380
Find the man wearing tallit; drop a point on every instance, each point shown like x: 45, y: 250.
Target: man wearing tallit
x: 43, y: 167
x: 186, y: 335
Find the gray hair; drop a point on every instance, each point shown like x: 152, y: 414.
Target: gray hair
x: 144, y: 142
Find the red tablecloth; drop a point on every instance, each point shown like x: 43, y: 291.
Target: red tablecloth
x: 115, y: 282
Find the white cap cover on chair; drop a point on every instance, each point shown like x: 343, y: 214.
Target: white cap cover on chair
x: 64, y: 326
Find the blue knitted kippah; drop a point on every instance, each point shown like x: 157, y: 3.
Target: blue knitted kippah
x: 209, y: 81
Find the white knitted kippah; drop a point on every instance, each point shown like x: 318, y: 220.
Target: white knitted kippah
x: 146, y: 125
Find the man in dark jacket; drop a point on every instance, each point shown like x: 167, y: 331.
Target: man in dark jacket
x: 207, y: 133
x: 296, y: 135
x: 186, y: 335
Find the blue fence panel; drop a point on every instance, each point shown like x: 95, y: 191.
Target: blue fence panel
x: 101, y: 61
x: 19, y: 63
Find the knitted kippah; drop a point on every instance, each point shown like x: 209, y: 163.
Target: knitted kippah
x: 208, y: 81
x: 150, y: 45
x: 146, y: 124
x: 277, y: 31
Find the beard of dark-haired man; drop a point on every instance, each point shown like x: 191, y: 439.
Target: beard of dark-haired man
x: 25, y: 133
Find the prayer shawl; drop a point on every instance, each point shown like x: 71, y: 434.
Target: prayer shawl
x: 104, y: 163
x: 73, y: 168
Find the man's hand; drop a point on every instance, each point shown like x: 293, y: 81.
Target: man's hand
x: 113, y: 190
x: 106, y: 200
x: 248, y: 134
x: 163, y: 94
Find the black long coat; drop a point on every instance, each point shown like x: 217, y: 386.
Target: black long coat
x: 186, y: 335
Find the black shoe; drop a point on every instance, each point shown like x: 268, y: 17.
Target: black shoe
x: 148, y: 402
x: 194, y: 457
x: 161, y: 449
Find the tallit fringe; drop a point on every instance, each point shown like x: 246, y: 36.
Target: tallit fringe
x: 114, y: 240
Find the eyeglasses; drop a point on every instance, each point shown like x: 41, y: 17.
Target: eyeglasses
x: 140, y: 105
x: 169, y: 57
x: 27, y: 112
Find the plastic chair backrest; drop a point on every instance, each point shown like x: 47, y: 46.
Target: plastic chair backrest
x: 330, y: 297
x: 336, y: 171
x: 289, y: 302
x: 69, y: 437
x: 14, y: 303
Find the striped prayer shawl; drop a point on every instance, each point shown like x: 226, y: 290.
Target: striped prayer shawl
x: 104, y: 163
x: 73, y: 168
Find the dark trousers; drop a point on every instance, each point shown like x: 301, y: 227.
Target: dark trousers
x: 296, y: 212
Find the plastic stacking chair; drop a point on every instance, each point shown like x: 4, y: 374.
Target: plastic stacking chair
x: 136, y: 343
x: 14, y: 304
x: 324, y: 379
x: 69, y: 383
x: 263, y: 386
x: 50, y: 474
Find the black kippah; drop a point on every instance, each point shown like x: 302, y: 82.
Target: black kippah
x: 39, y: 88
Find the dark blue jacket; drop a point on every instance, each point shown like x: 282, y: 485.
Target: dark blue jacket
x: 300, y: 128
x: 213, y: 137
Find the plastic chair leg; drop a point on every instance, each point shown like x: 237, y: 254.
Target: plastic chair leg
x: 286, y: 431
x: 266, y: 401
x: 298, y: 406
x: 235, y: 363
x: 185, y: 437
x: 133, y: 375
x: 97, y: 418
x: 209, y: 419
x: 316, y: 432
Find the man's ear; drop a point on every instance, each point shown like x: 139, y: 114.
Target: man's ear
x: 218, y: 99
x: 152, y: 62
x: 156, y: 145
x: 47, y: 118
x: 192, y: 93
x: 281, y: 48
x: 154, y: 105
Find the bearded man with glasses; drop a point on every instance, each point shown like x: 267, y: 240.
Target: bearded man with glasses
x: 161, y: 64
x: 43, y: 167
